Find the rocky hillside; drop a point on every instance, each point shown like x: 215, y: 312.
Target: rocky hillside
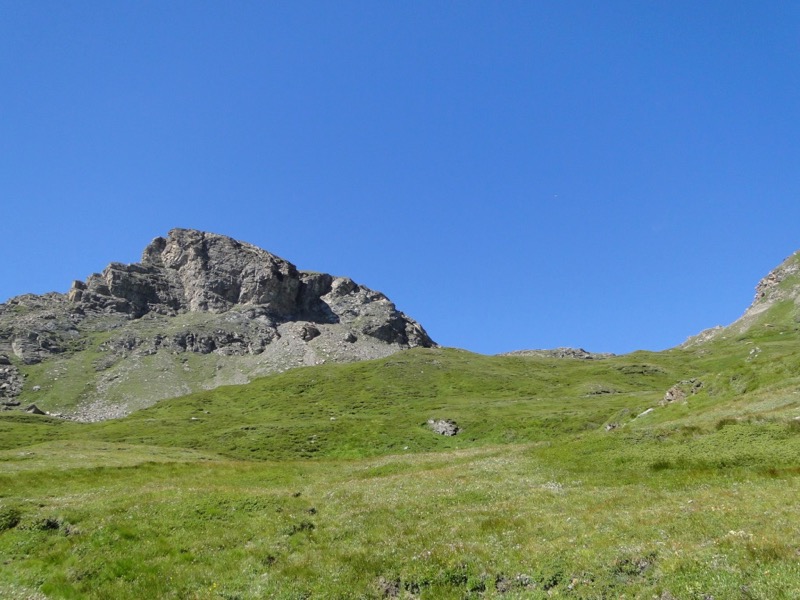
x: 200, y: 310
x: 775, y: 307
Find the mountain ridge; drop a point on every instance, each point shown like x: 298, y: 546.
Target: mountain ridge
x: 193, y: 294
x: 775, y: 305
x: 201, y: 310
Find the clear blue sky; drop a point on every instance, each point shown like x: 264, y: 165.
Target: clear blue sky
x: 611, y: 175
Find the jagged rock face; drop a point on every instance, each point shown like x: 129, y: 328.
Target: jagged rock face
x: 11, y: 383
x: 194, y: 271
x: 203, y: 272
x: 207, y: 294
x: 214, y: 273
x: 768, y: 290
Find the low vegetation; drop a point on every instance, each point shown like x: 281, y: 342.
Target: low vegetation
x: 568, y: 478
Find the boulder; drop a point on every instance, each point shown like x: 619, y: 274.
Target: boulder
x: 446, y: 427
x: 309, y: 332
x: 681, y: 390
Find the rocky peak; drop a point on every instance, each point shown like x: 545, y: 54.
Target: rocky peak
x: 208, y: 294
x: 194, y: 271
x: 216, y: 272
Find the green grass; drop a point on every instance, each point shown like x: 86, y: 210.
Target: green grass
x: 379, y: 407
x: 325, y: 482
x: 442, y: 525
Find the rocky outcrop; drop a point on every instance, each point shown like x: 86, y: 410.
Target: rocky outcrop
x: 193, y: 271
x: 196, y: 271
x: 769, y: 288
x: 11, y: 382
x: 681, y: 391
x: 578, y: 353
x: 33, y: 328
x: 205, y: 294
x: 780, y: 286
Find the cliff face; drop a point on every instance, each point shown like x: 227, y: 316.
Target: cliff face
x: 194, y: 271
x: 193, y: 293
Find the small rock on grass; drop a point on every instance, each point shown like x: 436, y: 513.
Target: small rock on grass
x: 446, y: 427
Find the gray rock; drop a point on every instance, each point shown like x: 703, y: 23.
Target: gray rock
x: 34, y: 410
x: 578, y: 353
x: 681, y: 391
x: 309, y: 332
x: 11, y: 382
x: 389, y: 588
x: 446, y: 427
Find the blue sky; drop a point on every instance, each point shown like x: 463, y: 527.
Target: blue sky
x: 610, y: 175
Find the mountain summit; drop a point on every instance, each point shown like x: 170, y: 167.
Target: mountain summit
x: 200, y: 310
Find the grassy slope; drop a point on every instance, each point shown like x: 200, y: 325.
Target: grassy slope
x: 67, y: 380
x: 214, y: 495
x: 379, y: 407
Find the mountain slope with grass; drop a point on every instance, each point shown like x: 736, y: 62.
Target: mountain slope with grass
x: 200, y: 310
x: 665, y: 475
x: 774, y: 308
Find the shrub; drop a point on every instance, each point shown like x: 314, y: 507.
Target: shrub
x: 10, y: 517
x: 660, y: 465
x: 725, y: 422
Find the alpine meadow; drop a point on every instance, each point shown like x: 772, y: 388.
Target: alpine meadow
x: 212, y: 423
